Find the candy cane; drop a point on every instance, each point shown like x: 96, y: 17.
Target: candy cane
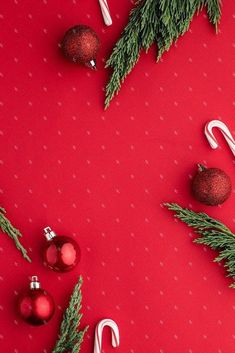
x: 224, y: 130
x: 105, y: 12
x: 99, y: 331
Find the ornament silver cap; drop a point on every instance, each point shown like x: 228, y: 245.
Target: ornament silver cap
x: 49, y: 233
x: 34, y: 284
x: 92, y: 64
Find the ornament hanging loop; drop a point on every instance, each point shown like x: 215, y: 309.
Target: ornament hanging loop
x: 99, y: 332
x: 34, y: 284
x: 225, y: 132
x: 92, y: 64
x: 49, y: 233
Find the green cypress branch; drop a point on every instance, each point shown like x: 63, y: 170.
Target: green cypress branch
x: 160, y: 21
x: 70, y: 339
x: 13, y: 233
x: 214, y: 11
x: 213, y: 234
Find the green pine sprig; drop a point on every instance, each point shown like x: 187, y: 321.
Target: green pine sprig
x: 13, y: 233
x: 70, y: 339
x: 159, y: 21
x: 213, y: 234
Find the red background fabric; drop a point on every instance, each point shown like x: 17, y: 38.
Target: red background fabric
x: 101, y: 176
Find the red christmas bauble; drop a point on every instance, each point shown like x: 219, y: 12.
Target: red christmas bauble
x: 80, y: 45
x: 61, y: 253
x: 211, y: 186
x: 36, y: 306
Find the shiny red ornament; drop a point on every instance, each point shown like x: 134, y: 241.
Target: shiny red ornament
x: 36, y: 306
x: 61, y: 253
x: 80, y: 45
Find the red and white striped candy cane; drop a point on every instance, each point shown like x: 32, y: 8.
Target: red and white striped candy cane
x: 105, y: 12
x: 224, y: 130
x: 99, y: 331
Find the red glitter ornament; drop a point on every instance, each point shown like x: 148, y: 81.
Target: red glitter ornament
x: 211, y: 186
x: 80, y: 45
x: 36, y: 306
x: 61, y: 253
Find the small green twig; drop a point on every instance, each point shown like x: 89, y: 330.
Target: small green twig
x: 12, y: 232
x: 213, y: 234
x: 70, y: 339
x: 159, y: 21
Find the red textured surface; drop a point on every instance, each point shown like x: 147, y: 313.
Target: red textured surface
x: 101, y: 177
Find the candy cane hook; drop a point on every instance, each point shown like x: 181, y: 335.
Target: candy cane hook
x: 105, y: 12
x: 99, y: 331
x: 224, y: 130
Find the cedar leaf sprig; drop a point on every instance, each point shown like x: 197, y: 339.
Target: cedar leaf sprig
x: 70, y: 339
x: 12, y: 232
x: 160, y: 21
x: 213, y: 234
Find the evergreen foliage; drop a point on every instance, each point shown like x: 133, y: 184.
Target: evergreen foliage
x: 159, y: 21
x: 213, y: 234
x: 70, y: 339
x: 13, y: 233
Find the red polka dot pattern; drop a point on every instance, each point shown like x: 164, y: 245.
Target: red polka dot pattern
x: 101, y: 177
